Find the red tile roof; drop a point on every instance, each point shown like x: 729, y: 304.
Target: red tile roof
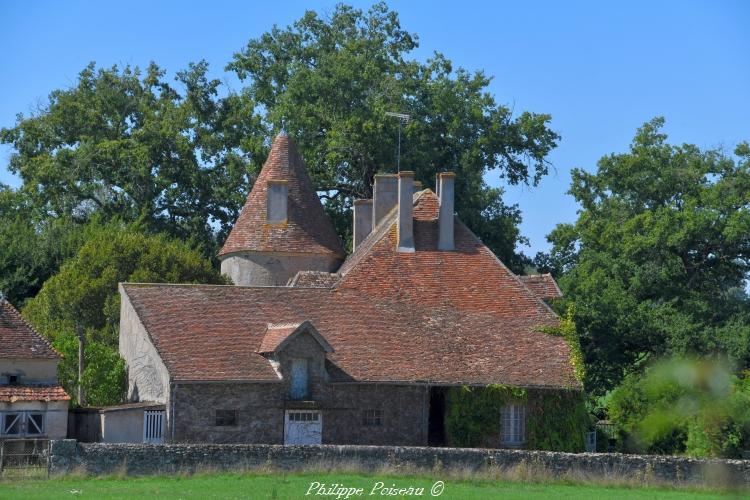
x: 18, y: 339
x: 457, y: 317
x: 307, y: 230
x: 543, y: 285
x: 13, y: 393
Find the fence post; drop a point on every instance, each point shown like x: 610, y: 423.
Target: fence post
x: 2, y: 454
x: 49, y: 456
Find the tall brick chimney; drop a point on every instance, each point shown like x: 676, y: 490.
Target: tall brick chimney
x: 405, y: 212
x: 445, y: 217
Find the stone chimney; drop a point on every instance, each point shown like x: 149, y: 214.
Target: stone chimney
x: 277, y: 196
x: 445, y: 218
x: 405, y: 212
x: 384, y: 196
x: 362, y: 221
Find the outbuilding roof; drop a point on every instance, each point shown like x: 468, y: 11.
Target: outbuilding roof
x: 13, y: 393
x: 307, y: 229
x: 435, y: 317
x: 18, y: 340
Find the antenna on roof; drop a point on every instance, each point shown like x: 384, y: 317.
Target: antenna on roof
x: 402, y: 118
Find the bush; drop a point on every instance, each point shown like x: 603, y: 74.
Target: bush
x: 696, y: 407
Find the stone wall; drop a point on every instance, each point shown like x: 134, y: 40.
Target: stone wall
x: 97, y: 458
x: 261, y: 406
x: 273, y: 268
x: 260, y: 410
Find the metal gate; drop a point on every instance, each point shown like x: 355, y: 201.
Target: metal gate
x: 153, y: 426
x: 24, y: 458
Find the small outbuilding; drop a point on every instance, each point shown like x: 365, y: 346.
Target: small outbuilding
x: 32, y: 404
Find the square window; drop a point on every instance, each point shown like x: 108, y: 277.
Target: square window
x: 12, y: 379
x: 226, y: 418
x: 372, y: 418
x: 35, y: 424
x: 12, y: 424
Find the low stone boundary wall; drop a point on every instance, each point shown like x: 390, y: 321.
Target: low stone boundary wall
x: 103, y: 458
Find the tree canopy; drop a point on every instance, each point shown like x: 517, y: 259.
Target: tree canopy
x: 122, y: 144
x: 332, y: 81
x: 657, y: 261
x: 84, y: 295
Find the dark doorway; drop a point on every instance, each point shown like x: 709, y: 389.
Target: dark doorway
x: 436, y: 423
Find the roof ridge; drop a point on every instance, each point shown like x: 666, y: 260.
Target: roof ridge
x: 377, y: 233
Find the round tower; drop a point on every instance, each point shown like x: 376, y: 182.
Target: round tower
x: 282, y: 228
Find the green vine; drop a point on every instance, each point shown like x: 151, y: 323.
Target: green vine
x: 555, y: 420
x: 567, y: 330
x: 472, y: 417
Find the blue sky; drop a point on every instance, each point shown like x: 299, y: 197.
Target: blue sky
x: 600, y: 69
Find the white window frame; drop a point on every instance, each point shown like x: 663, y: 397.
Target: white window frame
x: 513, y: 425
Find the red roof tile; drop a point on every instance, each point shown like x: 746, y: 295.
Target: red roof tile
x: 314, y: 279
x: 458, y: 317
x: 543, y: 285
x: 18, y: 339
x: 307, y: 230
x: 13, y: 393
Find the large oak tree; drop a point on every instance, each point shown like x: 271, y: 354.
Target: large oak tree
x: 658, y: 259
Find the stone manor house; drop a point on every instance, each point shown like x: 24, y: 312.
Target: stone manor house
x: 313, y: 346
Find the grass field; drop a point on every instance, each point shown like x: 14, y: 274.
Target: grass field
x: 289, y: 486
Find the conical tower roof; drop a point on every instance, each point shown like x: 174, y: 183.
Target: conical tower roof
x: 307, y: 229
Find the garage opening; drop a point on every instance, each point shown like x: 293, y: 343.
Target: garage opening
x: 436, y: 423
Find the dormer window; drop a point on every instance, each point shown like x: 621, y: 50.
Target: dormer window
x: 276, y: 208
x: 299, y: 379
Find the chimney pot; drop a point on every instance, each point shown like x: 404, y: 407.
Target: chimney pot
x: 445, y: 217
x: 384, y: 196
x: 362, y: 221
x: 405, y: 211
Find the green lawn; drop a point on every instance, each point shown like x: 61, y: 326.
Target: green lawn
x: 250, y: 485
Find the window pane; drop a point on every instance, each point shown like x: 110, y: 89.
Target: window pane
x: 226, y: 417
x: 12, y: 423
x: 35, y: 423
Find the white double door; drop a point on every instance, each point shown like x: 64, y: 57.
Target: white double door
x: 303, y: 427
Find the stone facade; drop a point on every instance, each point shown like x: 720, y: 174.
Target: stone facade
x: 273, y: 268
x: 95, y: 458
x: 260, y: 409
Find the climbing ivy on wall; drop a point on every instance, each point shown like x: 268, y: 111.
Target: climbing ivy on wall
x: 556, y: 420
x: 472, y: 414
x: 567, y: 330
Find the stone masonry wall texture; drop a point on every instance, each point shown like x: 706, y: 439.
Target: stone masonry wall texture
x: 100, y: 458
